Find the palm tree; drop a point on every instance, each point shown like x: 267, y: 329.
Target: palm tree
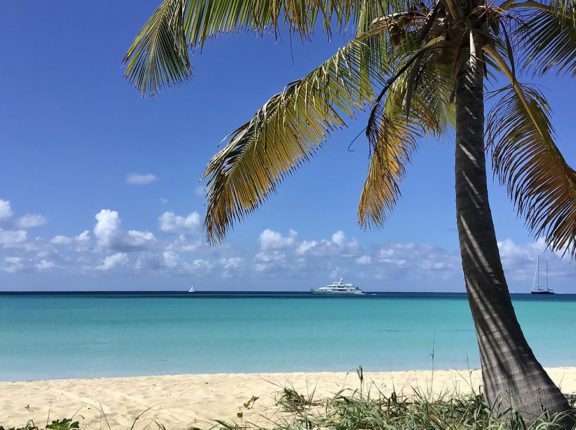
x: 421, y: 68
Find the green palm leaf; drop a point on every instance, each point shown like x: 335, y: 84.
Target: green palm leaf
x: 539, y: 180
x: 416, y: 104
x: 287, y: 131
x: 549, y: 36
x: 159, y: 55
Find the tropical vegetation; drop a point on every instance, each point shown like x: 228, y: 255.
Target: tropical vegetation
x: 363, y: 408
x: 421, y: 68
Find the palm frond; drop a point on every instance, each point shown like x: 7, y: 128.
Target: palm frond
x: 416, y: 103
x: 392, y: 149
x: 525, y: 158
x: 207, y: 18
x: 287, y: 131
x: 549, y: 36
x: 159, y: 55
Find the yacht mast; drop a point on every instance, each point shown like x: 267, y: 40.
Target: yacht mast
x: 538, y: 273
x: 547, y: 289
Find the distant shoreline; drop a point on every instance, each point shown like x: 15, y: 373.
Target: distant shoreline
x: 195, y: 400
x: 272, y: 294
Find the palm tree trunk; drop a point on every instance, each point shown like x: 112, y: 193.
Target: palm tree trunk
x: 513, y: 378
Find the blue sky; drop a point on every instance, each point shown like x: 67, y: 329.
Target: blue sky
x: 100, y: 188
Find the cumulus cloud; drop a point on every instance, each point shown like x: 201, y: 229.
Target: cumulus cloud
x: 113, y: 261
x: 231, y: 263
x: 109, y: 234
x: 183, y: 244
x: 270, y: 239
x: 107, y: 227
x: 363, y: 260
x: 169, y: 222
x: 418, y: 259
x: 166, y: 260
x: 5, y: 210
x: 140, y: 178
x: 10, y: 238
x: 13, y: 264
x: 306, y: 246
x: 24, y: 222
x: 271, y: 261
x: 519, y: 260
x: 339, y: 238
x: 199, y: 266
x: 80, y: 242
x: 61, y: 240
x: 31, y: 221
x: 284, y: 259
x: 336, y: 246
x: 44, y: 265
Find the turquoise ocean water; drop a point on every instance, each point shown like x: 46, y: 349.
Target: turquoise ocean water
x: 93, y: 335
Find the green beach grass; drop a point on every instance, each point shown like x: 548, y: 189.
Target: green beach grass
x: 356, y: 409
x: 356, y: 412
x: 361, y: 409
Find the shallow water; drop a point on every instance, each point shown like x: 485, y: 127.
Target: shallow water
x: 91, y: 335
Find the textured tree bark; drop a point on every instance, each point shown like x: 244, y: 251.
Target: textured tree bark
x: 512, y: 376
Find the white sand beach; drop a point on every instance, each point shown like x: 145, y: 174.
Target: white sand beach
x: 196, y: 400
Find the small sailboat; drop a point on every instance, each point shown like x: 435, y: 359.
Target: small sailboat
x: 192, y: 290
x: 537, y: 287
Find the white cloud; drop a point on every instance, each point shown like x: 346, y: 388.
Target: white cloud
x: 113, y: 261
x: 140, y: 178
x: 109, y: 234
x: 199, y: 266
x: 231, y: 266
x: 270, y: 261
x: 183, y: 244
x: 418, y: 260
x: 270, y: 239
x: 306, y: 246
x: 137, y: 239
x: 5, y: 210
x: 107, y: 227
x: 24, y: 222
x: 171, y: 259
x: 9, y: 238
x: 363, y: 260
x: 231, y: 263
x: 44, y: 265
x: 61, y: 240
x: 519, y: 261
x: 158, y: 261
x: 83, y: 237
x: 171, y: 223
x: 336, y: 246
x: 285, y: 258
x: 31, y: 221
x: 339, y: 238
x: 13, y: 264
x: 79, y: 243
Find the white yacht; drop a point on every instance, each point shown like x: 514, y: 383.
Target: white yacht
x: 192, y: 290
x: 339, y: 289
